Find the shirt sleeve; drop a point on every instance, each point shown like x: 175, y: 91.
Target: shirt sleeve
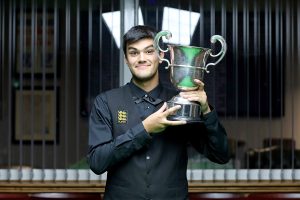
x: 104, y: 150
x: 211, y: 140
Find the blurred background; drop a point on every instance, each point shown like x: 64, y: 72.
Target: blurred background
x: 56, y: 56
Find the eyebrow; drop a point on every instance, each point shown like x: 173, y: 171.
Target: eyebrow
x: 130, y: 48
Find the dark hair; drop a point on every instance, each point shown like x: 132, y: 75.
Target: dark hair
x: 137, y: 33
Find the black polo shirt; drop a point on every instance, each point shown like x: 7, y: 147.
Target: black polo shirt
x: 140, y: 166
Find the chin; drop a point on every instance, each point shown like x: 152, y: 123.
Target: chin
x: 143, y: 78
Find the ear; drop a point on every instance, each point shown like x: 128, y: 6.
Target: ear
x: 125, y: 60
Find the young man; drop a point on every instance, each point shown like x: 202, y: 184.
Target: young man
x: 130, y: 137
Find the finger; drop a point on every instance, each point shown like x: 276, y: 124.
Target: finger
x: 172, y: 110
x: 176, y: 123
x: 189, y: 94
x: 162, y: 108
x: 193, y: 98
x: 200, y: 83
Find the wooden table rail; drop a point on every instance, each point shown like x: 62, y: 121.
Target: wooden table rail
x: 194, y: 186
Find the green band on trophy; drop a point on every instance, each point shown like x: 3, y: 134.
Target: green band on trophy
x: 187, y: 82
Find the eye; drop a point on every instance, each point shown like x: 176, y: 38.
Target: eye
x: 150, y: 51
x: 133, y: 53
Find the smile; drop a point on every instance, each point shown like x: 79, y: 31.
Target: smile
x: 142, y: 66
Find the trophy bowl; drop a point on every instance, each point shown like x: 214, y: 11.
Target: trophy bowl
x: 186, y: 64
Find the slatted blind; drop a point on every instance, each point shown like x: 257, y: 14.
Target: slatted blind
x: 56, y: 56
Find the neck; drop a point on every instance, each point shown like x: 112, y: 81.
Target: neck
x: 147, y: 85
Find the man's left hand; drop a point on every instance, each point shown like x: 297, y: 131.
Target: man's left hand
x: 198, y: 95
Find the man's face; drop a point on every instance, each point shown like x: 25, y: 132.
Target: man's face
x: 142, y: 60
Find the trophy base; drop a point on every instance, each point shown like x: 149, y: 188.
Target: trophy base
x: 189, y: 111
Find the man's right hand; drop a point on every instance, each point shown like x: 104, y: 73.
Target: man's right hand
x: 157, y: 122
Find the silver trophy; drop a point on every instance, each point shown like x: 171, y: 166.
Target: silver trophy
x: 186, y: 64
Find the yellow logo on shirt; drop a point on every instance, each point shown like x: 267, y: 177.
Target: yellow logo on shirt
x: 122, y: 117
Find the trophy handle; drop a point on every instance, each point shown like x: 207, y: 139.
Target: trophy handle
x: 167, y: 35
x: 222, y: 52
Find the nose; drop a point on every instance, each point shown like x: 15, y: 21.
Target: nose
x: 142, y: 57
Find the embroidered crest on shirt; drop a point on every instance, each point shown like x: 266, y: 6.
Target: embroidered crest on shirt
x: 122, y: 116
